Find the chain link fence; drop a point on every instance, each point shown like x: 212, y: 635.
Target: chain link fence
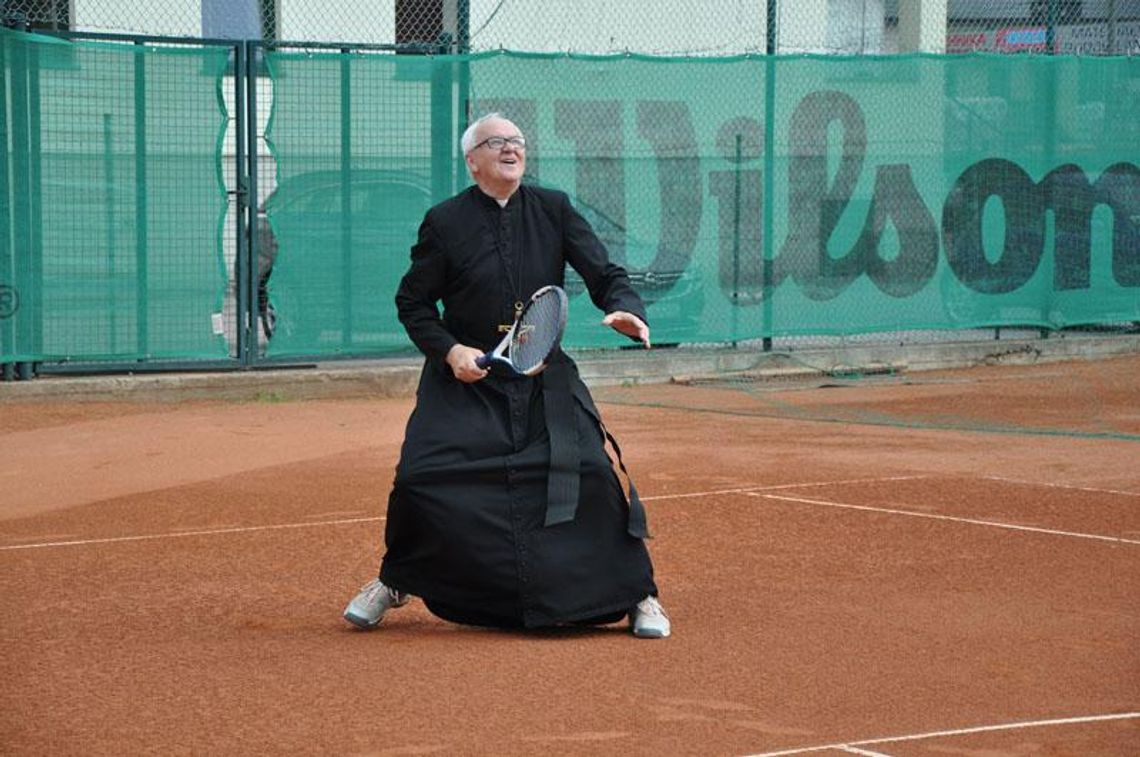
x: 671, y: 27
x: 334, y: 127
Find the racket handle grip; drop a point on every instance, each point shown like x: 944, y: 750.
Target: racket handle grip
x: 483, y: 361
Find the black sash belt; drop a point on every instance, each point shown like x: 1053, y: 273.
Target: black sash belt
x: 638, y: 527
x: 565, y: 454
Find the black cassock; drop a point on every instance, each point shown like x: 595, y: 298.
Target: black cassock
x: 506, y: 509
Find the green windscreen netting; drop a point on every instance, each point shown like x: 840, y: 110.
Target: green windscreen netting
x: 747, y: 197
x: 352, y: 138
x: 112, y: 201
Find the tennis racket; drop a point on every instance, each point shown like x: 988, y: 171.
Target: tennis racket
x: 533, y: 337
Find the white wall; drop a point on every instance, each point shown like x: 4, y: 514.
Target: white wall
x: 922, y: 26
x: 337, y: 21
x: 181, y: 19
x: 679, y: 27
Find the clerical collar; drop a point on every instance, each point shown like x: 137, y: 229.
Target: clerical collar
x: 502, y: 203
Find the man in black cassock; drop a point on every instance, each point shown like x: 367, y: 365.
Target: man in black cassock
x: 506, y: 510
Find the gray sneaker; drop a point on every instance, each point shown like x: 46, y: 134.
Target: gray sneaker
x: 648, y: 620
x: 367, y: 608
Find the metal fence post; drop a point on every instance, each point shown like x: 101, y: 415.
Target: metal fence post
x: 142, y: 230
x: 111, y: 241
x: 463, y: 83
x: 36, y: 205
x: 769, y: 172
x: 245, y: 199
x: 441, y: 123
x: 254, y: 55
x: 21, y: 206
x: 346, y: 193
x: 1051, y: 112
x: 7, y: 263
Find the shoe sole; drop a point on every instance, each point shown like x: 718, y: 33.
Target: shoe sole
x: 650, y: 634
x: 359, y: 622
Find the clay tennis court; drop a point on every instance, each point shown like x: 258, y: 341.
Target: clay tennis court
x: 934, y: 564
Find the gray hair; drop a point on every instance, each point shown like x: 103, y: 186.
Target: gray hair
x: 467, y: 141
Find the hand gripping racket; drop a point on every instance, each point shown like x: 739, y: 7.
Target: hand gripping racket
x: 533, y: 337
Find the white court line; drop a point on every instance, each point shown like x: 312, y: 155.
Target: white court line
x: 210, y: 532
x: 777, y: 487
x: 246, y: 529
x: 179, y: 534
x: 955, y: 732
x: 689, y: 495
x: 951, y: 518
x: 864, y: 752
x: 1092, y: 489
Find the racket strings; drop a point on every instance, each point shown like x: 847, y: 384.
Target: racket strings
x: 537, y: 332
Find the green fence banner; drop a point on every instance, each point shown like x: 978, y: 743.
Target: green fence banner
x: 909, y: 192
x: 748, y: 197
x: 113, y: 201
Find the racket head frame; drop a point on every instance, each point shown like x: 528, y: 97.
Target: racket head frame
x: 499, y: 355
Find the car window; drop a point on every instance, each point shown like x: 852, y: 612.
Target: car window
x: 322, y: 200
x: 306, y: 197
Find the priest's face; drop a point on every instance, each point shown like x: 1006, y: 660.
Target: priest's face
x: 497, y: 165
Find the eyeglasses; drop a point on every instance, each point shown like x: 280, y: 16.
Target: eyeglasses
x: 498, y: 143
